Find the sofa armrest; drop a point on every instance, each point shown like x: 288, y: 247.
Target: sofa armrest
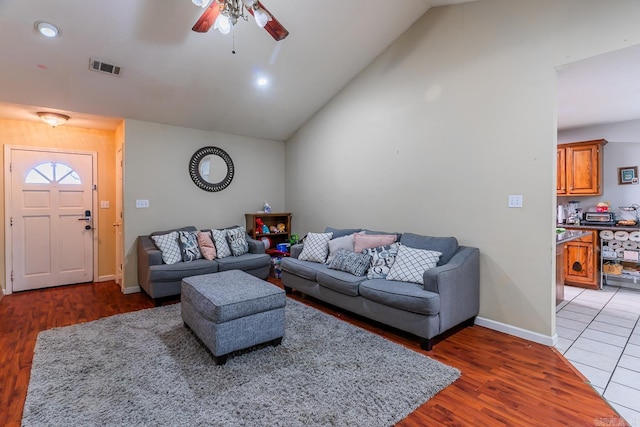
x: 458, y: 284
x: 148, y: 254
x: 296, y: 250
x: 255, y: 246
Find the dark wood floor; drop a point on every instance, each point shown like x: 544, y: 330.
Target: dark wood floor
x: 506, y: 381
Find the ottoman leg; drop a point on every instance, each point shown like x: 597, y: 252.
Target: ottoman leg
x: 276, y: 342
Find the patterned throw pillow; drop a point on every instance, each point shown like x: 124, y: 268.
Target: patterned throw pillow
x: 189, y: 245
x: 237, y: 241
x: 168, y: 245
x: 206, y: 245
x: 382, y: 258
x: 365, y: 241
x: 220, y: 240
x: 316, y: 247
x: 344, y: 242
x: 411, y: 264
x: 351, y: 262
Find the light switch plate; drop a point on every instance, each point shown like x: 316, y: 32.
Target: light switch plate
x: 142, y: 203
x: 515, y: 200
x: 104, y: 204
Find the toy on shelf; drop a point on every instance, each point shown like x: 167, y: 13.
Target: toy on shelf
x: 273, y: 229
x: 261, y: 226
x: 293, y: 240
x: 280, y: 228
x: 267, y: 207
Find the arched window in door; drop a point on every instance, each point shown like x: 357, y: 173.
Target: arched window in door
x: 46, y: 173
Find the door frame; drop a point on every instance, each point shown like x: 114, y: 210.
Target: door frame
x: 8, y: 232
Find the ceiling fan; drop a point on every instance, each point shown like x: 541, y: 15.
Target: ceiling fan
x: 223, y: 14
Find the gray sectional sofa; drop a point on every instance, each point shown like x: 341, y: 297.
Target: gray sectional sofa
x: 160, y: 280
x: 450, y: 295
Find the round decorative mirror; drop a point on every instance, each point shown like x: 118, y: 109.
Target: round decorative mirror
x: 211, y: 169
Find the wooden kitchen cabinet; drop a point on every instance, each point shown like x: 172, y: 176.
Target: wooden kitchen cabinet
x: 582, y: 261
x: 579, y: 168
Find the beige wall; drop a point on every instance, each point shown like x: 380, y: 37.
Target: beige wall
x: 33, y: 134
x: 453, y: 117
x: 156, y: 161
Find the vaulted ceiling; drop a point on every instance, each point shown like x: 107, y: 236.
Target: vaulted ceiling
x: 173, y: 75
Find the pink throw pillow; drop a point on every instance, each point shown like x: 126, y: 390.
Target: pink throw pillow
x: 366, y: 241
x: 206, y: 245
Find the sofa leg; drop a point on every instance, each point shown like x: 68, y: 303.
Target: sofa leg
x: 288, y: 290
x: 426, y: 344
x: 469, y: 322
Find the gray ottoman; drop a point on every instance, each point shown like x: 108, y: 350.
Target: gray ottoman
x: 232, y: 310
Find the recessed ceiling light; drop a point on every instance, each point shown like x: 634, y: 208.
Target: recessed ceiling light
x: 262, y: 81
x: 47, y: 29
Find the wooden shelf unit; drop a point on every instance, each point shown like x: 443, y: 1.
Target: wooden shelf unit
x: 269, y: 219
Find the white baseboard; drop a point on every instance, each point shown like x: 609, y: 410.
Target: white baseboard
x: 1, y: 293
x: 106, y: 278
x: 131, y: 290
x: 517, y: 332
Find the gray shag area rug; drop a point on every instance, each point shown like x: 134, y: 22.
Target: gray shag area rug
x: 146, y: 369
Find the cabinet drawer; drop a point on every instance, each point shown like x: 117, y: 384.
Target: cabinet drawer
x: 589, y: 238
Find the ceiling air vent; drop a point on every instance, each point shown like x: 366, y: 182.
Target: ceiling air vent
x: 103, y: 67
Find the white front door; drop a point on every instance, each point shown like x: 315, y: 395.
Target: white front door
x: 51, y: 218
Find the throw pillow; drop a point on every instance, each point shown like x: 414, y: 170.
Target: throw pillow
x: 189, y: 245
x: 366, y: 241
x: 351, y: 262
x: 382, y: 258
x: 316, y: 247
x: 410, y: 264
x: 168, y: 245
x: 207, y: 248
x: 220, y: 240
x: 344, y: 242
x: 237, y: 238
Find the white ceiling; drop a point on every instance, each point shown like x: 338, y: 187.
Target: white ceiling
x: 173, y: 75
x: 599, y: 90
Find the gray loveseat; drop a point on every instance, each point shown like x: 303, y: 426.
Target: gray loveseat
x: 449, y: 297
x: 161, y: 280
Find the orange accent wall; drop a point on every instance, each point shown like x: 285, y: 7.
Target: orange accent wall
x: 34, y: 134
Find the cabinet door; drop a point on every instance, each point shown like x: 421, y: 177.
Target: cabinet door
x: 561, y: 177
x: 583, y: 169
x: 578, y: 263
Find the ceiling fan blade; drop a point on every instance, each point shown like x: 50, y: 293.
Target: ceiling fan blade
x: 273, y: 27
x: 207, y: 19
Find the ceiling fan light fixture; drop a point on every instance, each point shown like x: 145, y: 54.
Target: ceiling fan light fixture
x: 223, y: 24
x: 261, y: 17
x: 249, y: 3
x: 201, y: 3
x: 53, y: 119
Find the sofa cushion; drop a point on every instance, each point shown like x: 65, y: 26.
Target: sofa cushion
x: 401, y: 295
x: 339, y: 232
x: 244, y: 262
x: 220, y: 240
x: 175, y: 272
x: 340, y: 281
x: 337, y: 243
x: 366, y: 241
x: 189, y: 245
x: 410, y: 264
x: 237, y: 239
x: 207, y: 248
x: 398, y: 235
x: 447, y: 245
x: 305, y: 269
x: 382, y: 258
x: 316, y: 247
x: 350, y: 262
x: 169, y: 246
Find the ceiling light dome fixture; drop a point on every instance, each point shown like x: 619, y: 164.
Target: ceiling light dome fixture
x: 232, y: 10
x: 47, y: 29
x: 53, y: 119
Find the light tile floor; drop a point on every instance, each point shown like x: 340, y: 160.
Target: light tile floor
x: 599, y: 333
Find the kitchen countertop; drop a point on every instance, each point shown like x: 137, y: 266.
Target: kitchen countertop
x: 600, y: 227
x: 569, y: 235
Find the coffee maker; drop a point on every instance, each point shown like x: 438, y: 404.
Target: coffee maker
x: 575, y: 212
